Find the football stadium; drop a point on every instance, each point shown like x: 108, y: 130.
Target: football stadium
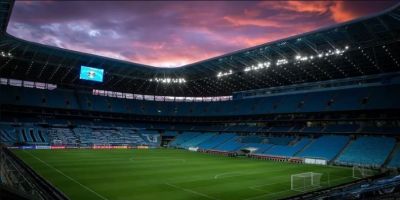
x: 315, y: 115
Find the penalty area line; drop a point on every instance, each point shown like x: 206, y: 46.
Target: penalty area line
x: 70, y: 178
x: 228, y: 173
x: 190, y: 191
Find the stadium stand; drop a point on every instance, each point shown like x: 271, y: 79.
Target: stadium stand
x: 230, y: 145
x: 252, y: 139
x: 170, y: 133
x: 216, y: 141
x: 280, y: 140
x: 288, y: 150
x: 341, y: 128
x: 198, y: 108
x: 260, y: 147
x: 395, y: 160
x: 326, y: 147
x: 337, y: 101
x: 195, y: 141
x: 367, y: 151
x: 182, y: 138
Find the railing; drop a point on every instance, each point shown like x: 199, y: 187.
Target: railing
x: 19, y: 176
x: 362, y: 81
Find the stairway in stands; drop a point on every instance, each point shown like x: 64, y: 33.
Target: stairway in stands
x: 305, y: 147
x: 341, y: 151
x: 392, y: 153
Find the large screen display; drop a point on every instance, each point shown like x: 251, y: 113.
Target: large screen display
x: 91, y: 74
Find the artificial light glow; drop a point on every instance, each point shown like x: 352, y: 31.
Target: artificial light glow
x: 259, y: 66
x: 298, y: 58
x: 168, y: 80
x: 222, y: 74
x: 282, y: 62
x: 330, y: 52
x: 4, y: 54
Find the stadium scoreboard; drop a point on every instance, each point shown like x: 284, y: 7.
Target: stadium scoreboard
x: 91, y: 74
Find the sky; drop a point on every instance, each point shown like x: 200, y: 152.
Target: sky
x: 175, y: 33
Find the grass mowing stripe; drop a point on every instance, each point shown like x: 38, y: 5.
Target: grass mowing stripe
x: 228, y: 173
x: 191, y: 191
x: 160, y: 174
x: 269, y: 194
x: 279, y: 192
x: 70, y: 178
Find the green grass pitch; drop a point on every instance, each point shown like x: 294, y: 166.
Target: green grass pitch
x: 169, y: 174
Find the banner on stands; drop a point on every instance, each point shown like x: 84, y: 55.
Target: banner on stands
x: 193, y: 148
x: 57, y: 147
x: 315, y: 161
x: 109, y: 147
x: 42, y: 147
x: 27, y: 147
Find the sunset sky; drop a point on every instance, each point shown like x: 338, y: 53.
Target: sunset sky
x: 171, y: 34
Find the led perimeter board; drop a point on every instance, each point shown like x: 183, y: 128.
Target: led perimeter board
x: 91, y: 74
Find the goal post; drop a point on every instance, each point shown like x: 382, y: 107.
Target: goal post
x: 305, y: 181
x: 362, y: 172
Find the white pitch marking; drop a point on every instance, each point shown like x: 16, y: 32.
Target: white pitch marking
x: 273, y: 193
x: 70, y: 178
x: 268, y: 194
x: 191, y: 191
x: 245, y: 174
x: 227, y: 173
x: 257, y: 186
x: 254, y: 187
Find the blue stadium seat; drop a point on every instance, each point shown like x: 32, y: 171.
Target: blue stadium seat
x: 180, y: 139
x: 232, y: 144
x: 341, y: 128
x: 259, y: 146
x: 367, y: 151
x: 280, y: 140
x: 216, y: 141
x: 395, y: 161
x: 287, y: 150
x: 195, y: 141
x: 325, y: 147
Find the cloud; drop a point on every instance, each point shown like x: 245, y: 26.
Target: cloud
x: 238, y: 21
x: 340, y: 14
x: 318, y: 7
x: 168, y: 33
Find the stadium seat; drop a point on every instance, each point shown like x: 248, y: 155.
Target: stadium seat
x: 367, y: 151
x: 325, y: 147
x: 287, y: 150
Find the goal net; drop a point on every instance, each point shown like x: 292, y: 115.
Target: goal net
x: 305, y: 181
x: 362, y: 172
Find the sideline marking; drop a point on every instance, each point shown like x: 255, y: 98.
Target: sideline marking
x: 269, y: 194
x: 70, y: 178
x: 191, y: 191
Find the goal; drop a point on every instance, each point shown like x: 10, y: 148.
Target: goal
x: 362, y: 172
x: 305, y: 181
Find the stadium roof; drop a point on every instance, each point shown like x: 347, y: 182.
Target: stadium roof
x: 369, y: 45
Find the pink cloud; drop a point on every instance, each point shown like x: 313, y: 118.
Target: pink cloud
x: 168, y: 33
x: 239, y: 21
